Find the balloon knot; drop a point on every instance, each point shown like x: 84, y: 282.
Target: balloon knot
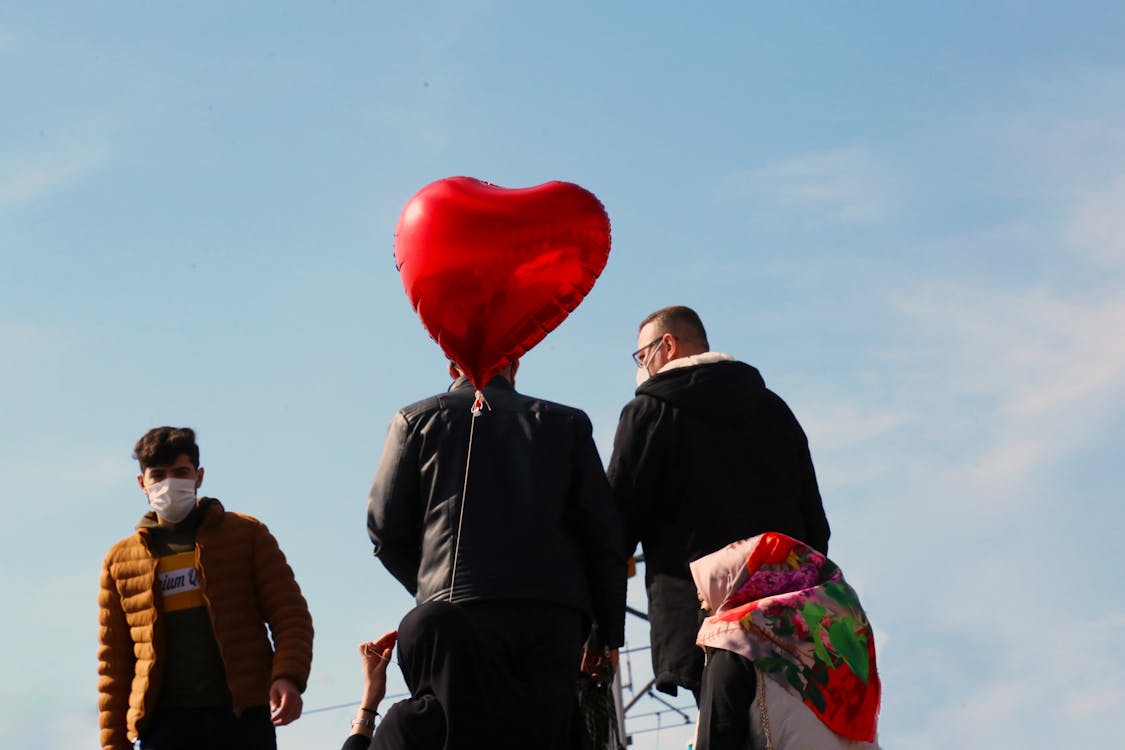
x: 480, y: 403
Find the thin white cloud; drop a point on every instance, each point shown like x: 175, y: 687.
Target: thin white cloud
x: 835, y: 425
x: 1038, y: 683
x: 986, y: 386
x: 1082, y: 357
x: 29, y: 348
x: 34, y: 178
x: 1100, y: 692
x: 1097, y: 229
x: 1019, y: 377
x: 845, y: 186
x: 1071, y: 155
x: 845, y: 440
x: 19, y: 337
x: 1044, y: 370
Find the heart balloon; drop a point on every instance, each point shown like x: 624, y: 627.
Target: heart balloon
x: 491, y: 270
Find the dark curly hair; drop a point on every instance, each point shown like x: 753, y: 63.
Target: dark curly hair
x: 162, y: 445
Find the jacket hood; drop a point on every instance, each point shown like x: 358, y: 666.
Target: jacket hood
x: 711, y: 385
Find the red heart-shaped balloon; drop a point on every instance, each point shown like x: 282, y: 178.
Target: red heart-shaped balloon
x: 491, y: 270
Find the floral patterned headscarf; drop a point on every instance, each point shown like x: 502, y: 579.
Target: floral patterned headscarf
x: 785, y: 606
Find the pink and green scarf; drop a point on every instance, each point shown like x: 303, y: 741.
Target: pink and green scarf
x: 785, y: 606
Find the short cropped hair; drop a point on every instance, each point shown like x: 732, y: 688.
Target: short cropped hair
x: 163, y: 445
x: 680, y: 321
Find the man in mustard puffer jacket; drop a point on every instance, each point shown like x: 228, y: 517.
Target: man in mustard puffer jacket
x: 185, y: 659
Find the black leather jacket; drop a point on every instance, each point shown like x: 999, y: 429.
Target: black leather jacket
x: 539, y: 521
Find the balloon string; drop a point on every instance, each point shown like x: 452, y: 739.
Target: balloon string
x: 465, y: 487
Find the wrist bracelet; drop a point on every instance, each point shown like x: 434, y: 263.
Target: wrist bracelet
x: 368, y: 723
x: 367, y: 710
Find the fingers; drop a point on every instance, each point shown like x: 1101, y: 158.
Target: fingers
x: 599, y: 664
x: 588, y: 663
x: 388, y: 640
x: 285, y: 703
x: 380, y: 648
x: 591, y: 662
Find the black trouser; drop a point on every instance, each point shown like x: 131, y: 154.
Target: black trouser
x: 540, y: 647
x: 727, y: 695
x: 491, y: 674
x: 214, y: 728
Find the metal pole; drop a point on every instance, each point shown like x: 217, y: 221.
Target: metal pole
x: 623, y: 738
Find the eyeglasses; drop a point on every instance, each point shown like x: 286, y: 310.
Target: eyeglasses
x: 637, y: 358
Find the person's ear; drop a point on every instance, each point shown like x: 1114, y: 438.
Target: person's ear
x: 141, y: 481
x: 672, y: 346
x: 198, y: 477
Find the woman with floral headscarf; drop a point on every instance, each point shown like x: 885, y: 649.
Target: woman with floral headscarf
x: 790, y: 653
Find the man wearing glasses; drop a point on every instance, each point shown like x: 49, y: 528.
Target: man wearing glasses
x: 704, y: 455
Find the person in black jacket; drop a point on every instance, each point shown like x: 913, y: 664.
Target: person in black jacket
x: 704, y: 455
x: 508, y: 515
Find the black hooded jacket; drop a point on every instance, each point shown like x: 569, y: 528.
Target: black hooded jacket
x: 706, y: 455
x: 539, y: 521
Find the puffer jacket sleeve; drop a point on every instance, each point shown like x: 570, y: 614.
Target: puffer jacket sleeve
x: 394, y: 506
x: 285, y: 609
x: 116, y: 664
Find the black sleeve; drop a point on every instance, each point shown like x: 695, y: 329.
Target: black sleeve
x: 813, y: 519
x: 812, y: 508
x: 393, y: 506
x: 635, y: 466
x: 356, y: 742
x: 599, y: 527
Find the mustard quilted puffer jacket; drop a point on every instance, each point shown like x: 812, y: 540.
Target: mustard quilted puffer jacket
x: 246, y: 584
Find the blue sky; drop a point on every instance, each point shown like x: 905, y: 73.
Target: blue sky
x: 910, y: 219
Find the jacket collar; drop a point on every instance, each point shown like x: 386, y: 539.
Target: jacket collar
x: 498, y: 382
x: 706, y: 358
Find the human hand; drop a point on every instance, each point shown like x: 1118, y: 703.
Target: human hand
x: 376, y: 657
x: 285, y: 702
x: 598, y: 663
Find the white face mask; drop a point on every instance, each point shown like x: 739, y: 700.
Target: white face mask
x: 642, y: 371
x: 642, y: 375
x: 172, y: 499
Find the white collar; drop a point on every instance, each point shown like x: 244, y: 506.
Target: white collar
x: 706, y: 358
